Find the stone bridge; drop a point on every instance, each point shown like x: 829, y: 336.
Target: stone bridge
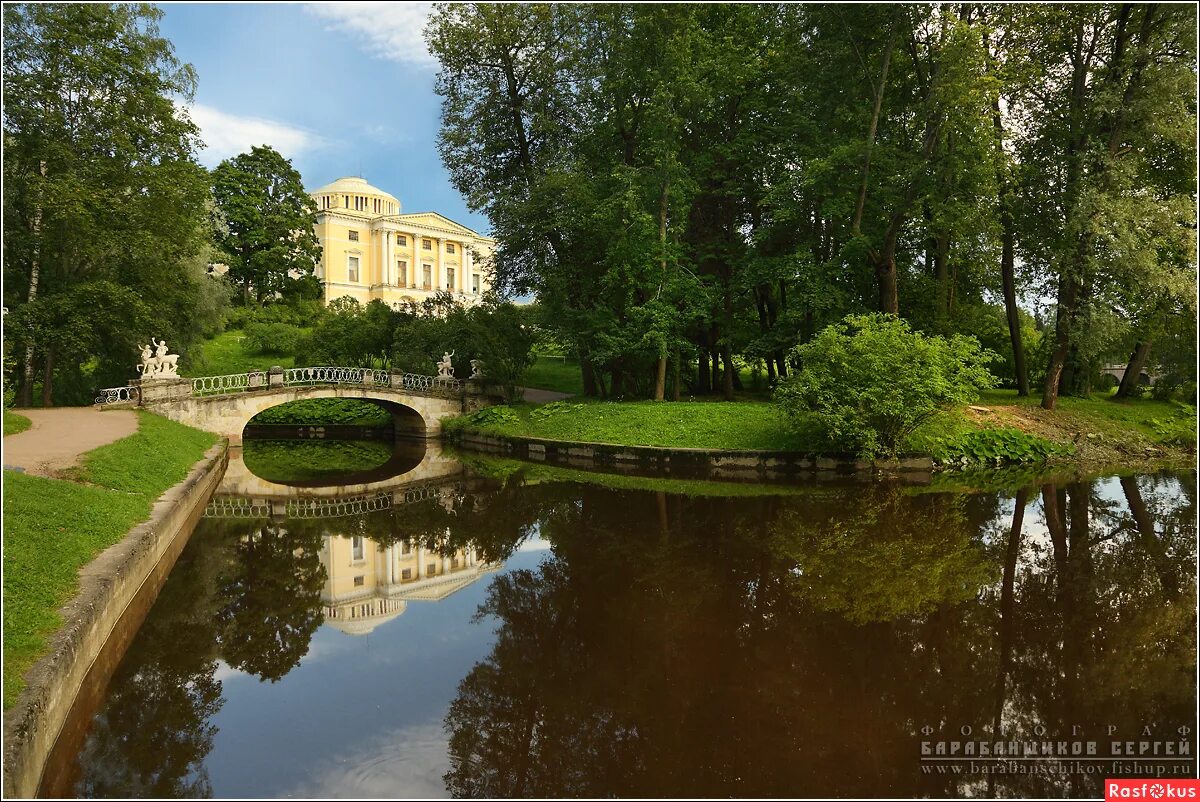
x: 224, y: 405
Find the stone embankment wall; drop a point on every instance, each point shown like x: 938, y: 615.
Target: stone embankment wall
x: 698, y: 463
x: 116, y: 590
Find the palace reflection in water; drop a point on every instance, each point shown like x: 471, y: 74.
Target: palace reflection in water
x: 594, y: 641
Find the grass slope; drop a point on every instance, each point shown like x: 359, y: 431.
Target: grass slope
x: 52, y: 528
x: 226, y: 354
x: 1098, y: 428
x: 14, y: 423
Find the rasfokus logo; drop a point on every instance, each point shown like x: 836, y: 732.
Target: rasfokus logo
x: 1151, y: 789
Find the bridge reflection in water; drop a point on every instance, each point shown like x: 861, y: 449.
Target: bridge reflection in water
x: 368, y: 582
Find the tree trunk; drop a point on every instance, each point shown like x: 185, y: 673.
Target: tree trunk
x: 1133, y: 371
x: 885, y: 277
x: 35, y: 272
x: 1064, y: 319
x: 660, y: 376
x: 589, y: 375
x: 1008, y: 277
x: 861, y: 200
x: 703, y: 376
x: 676, y: 377
x: 48, y: 379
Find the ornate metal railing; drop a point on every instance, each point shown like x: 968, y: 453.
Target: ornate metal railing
x: 370, y: 378
x: 232, y: 383
x: 238, y: 507
x: 118, y: 395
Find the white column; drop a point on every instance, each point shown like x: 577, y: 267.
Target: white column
x: 468, y: 267
x: 388, y: 263
x: 441, y: 262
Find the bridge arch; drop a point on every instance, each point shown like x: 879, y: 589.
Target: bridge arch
x: 227, y: 415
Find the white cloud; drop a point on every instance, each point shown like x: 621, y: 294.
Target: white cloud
x: 228, y: 135
x: 392, y: 31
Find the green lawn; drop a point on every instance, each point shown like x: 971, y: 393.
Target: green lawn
x: 225, y: 354
x: 1109, y: 428
x: 14, y: 423
x: 553, y: 373
x: 682, y: 424
x: 52, y: 528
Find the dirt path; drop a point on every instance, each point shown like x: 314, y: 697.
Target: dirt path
x: 536, y: 396
x: 60, y: 435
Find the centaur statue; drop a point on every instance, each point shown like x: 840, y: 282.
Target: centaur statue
x: 159, y: 366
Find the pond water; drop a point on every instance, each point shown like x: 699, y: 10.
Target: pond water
x: 497, y: 629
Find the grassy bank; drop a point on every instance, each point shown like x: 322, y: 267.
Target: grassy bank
x: 227, y: 353
x: 53, y: 527
x: 14, y: 423
x: 1094, y: 429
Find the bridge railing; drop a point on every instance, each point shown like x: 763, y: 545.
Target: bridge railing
x: 231, y: 383
x: 118, y: 395
x: 367, y: 377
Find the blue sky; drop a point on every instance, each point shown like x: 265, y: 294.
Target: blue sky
x: 339, y: 88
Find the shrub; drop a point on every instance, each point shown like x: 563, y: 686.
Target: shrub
x: 871, y: 380
x: 272, y: 338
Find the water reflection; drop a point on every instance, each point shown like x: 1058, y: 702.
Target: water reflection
x: 663, y: 645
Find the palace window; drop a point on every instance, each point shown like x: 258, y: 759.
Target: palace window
x: 449, y: 278
x: 406, y: 548
x: 431, y: 569
x: 352, y: 269
x: 427, y: 244
x: 354, y: 236
x: 346, y: 200
x: 406, y: 573
x: 449, y: 247
x: 402, y: 240
x: 475, y: 283
x: 358, y: 580
x: 427, y: 276
x: 356, y: 548
x: 401, y: 277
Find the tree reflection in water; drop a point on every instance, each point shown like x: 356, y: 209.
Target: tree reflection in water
x: 675, y: 645
x: 757, y: 648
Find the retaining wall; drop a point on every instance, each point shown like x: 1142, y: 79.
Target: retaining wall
x: 116, y: 591
x: 698, y: 463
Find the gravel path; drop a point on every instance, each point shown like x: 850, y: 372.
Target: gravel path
x: 60, y: 435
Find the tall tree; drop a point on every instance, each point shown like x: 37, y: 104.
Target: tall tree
x: 263, y: 223
x: 102, y: 191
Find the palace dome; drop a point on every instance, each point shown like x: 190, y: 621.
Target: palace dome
x: 353, y: 185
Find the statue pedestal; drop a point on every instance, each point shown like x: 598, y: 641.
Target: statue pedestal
x: 153, y: 390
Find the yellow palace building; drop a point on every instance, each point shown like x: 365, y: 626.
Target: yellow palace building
x: 370, y: 249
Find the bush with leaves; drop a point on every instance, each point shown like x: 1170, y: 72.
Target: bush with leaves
x: 871, y: 380
x: 272, y: 338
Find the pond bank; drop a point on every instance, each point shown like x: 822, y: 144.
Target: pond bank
x: 1088, y: 433
x: 65, y: 607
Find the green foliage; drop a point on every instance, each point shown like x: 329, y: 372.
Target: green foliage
x: 272, y: 338
x: 263, y: 223
x: 319, y: 411
x: 871, y: 380
x: 555, y: 408
x: 997, y: 447
x: 1179, y: 430
x: 104, y: 202
x: 553, y: 373
x: 494, y: 416
x: 52, y: 528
